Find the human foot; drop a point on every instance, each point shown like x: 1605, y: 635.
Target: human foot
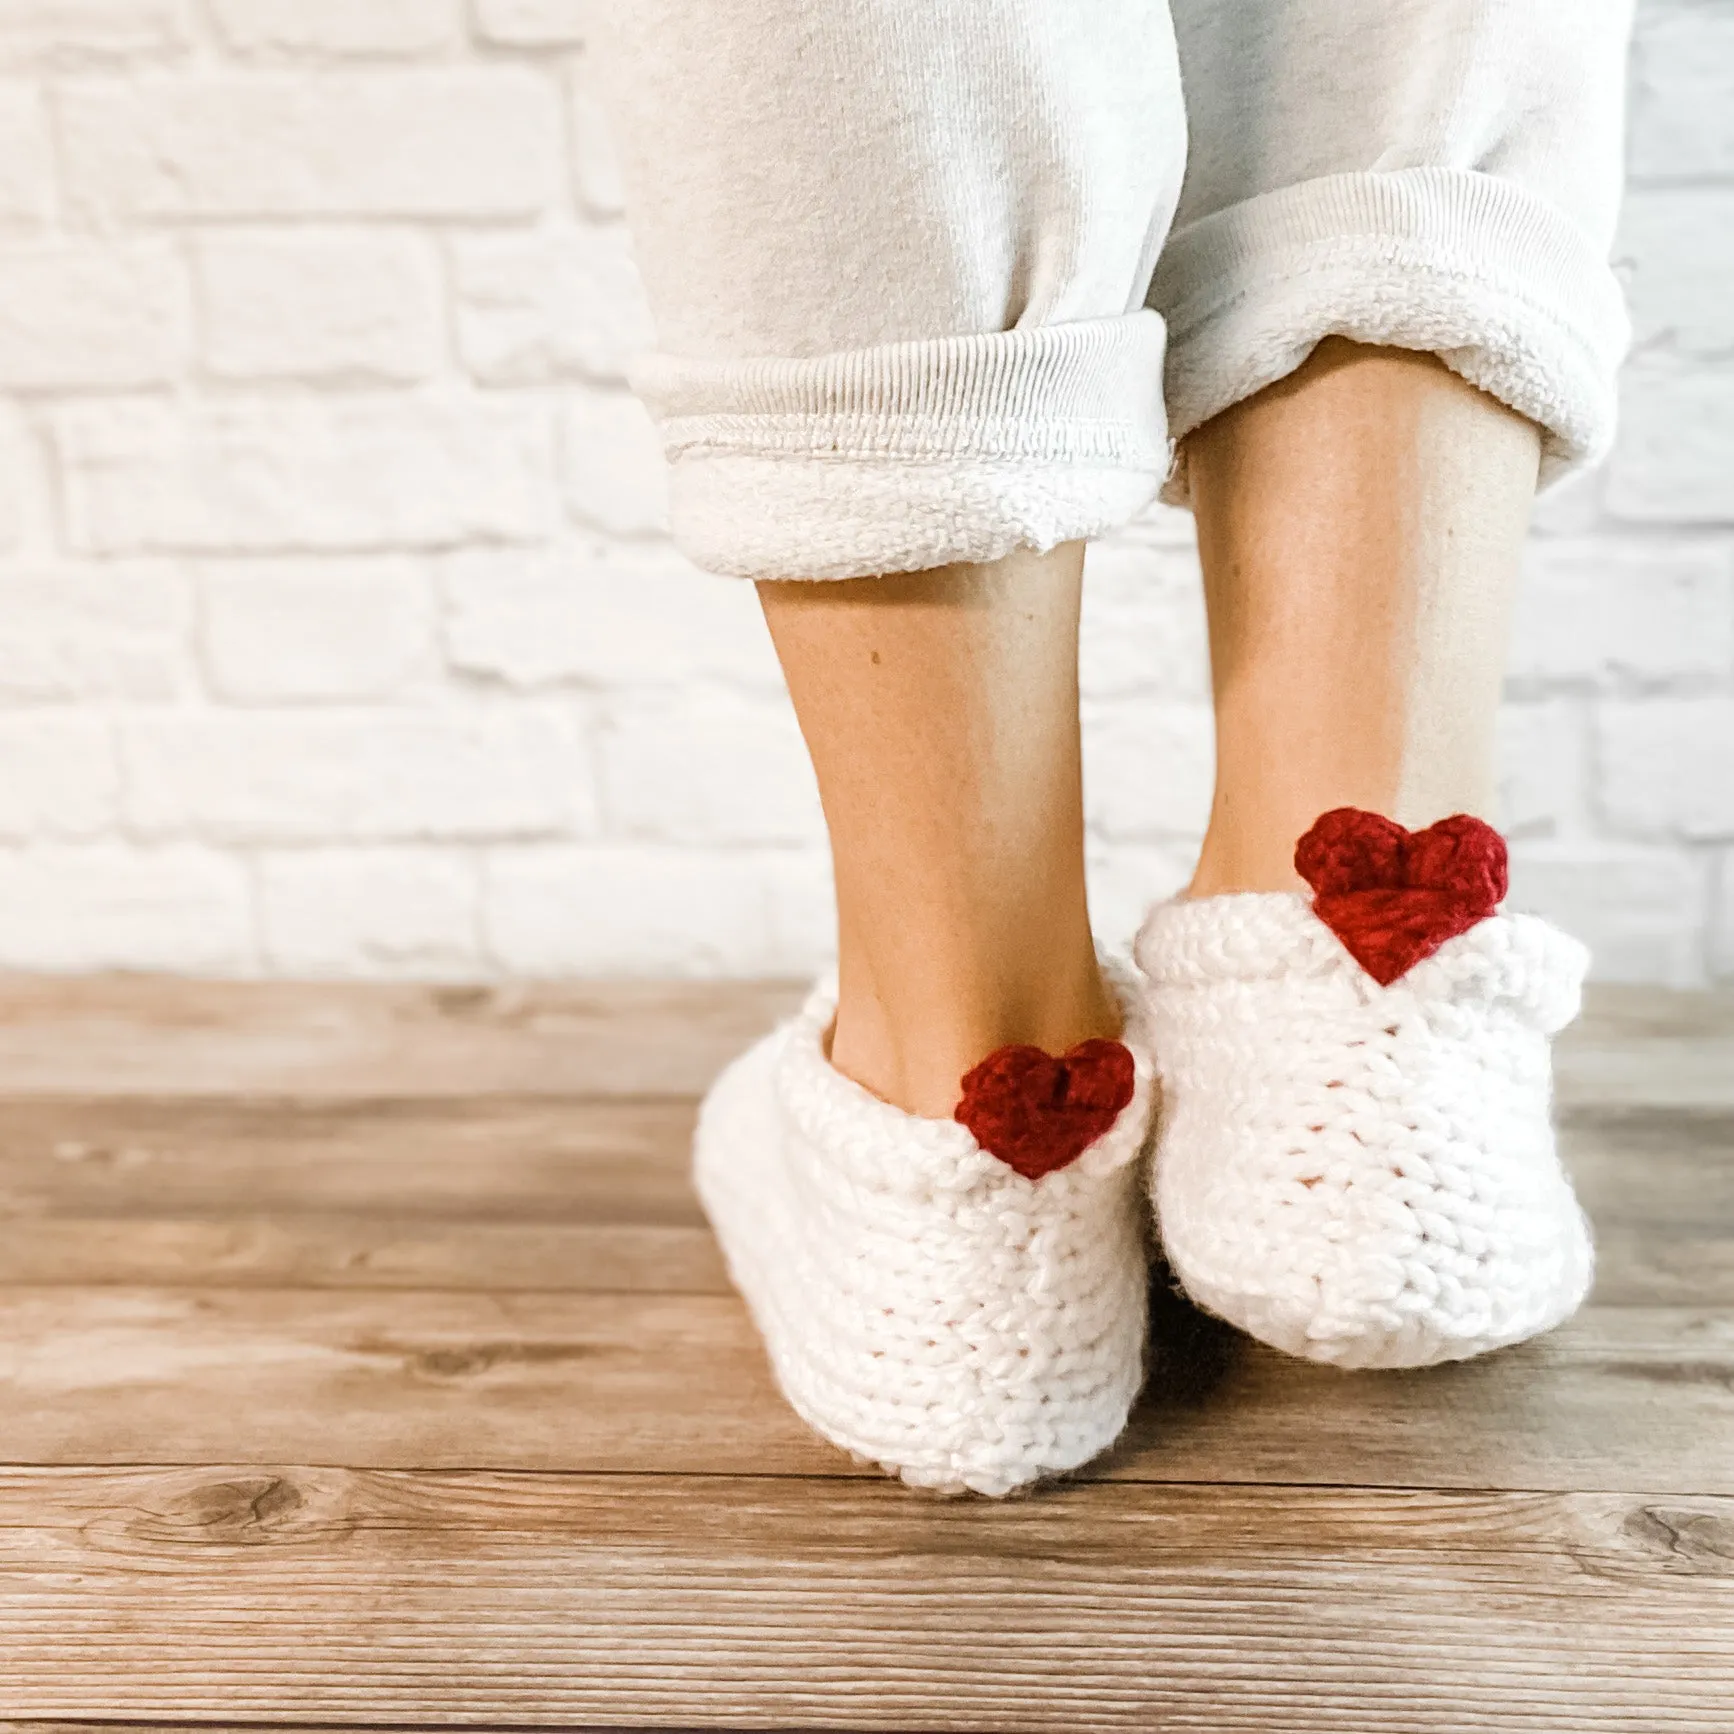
x: 964, y: 1319
x: 1356, y: 1161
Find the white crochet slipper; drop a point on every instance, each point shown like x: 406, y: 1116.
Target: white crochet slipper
x: 1356, y: 1159
x: 925, y: 1305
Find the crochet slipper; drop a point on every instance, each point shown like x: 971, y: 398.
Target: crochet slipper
x: 926, y: 1305
x: 1356, y: 1160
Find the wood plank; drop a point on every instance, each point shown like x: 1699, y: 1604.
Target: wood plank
x: 305, y: 1594
x: 1659, y: 1187
x: 394, y: 1218
x: 130, y: 1036
x: 312, y: 1251
x: 542, y: 1193
x: 146, y: 1035
x: 494, y: 1193
x: 92, y: 1725
x: 401, y: 1379
x: 1615, y: 1396
x: 625, y: 1161
x: 1649, y: 1046
x: 1621, y: 1399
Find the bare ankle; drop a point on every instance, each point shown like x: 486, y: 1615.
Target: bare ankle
x: 915, y: 1053
x: 1248, y: 867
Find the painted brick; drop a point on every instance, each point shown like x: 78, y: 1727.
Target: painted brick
x: 1159, y: 526
x: 1126, y: 878
x: 1721, y: 960
x: 595, y: 163
x: 1640, y: 911
x: 76, y: 315
x: 1148, y: 770
x: 626, y: 617
x: 638, y: 910
x: 368, y: 635
x: 395, y: 913
x: 1143, y: 624
x: 1682, y: 93
x: 95, y: 634
x: 1668, y: 766
x: 363, y: 306
x: 534, y: 23
x: 319, y: 630
x: 357, y: 474
x: 15, y: 478
x: 71, y: 32
x: 112, y: 906
x: 321, y: 27
x: 1676, y: 255
x: 707, y: 767
x: 365, y: 776
x: 1543, y: 769
x: 1571, y: 506
x: 26, y: 160
x: 472, y: 142
x: 60, y: 778
x: 616, y: 479
x: 1609, y: 613
x: 550, y: 305
x: 1673, y: 459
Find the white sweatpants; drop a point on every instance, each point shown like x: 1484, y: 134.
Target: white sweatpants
x: 935, y: 279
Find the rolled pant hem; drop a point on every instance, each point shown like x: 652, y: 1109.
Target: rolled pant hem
x: 912, y: 454
x: 785, y: 515
x: 1501, y: 285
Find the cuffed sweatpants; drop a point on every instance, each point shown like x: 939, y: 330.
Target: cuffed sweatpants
x: 937, y: 279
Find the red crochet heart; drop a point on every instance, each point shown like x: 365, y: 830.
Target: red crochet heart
x: 1037, y: 1113
x: 1392, y: 896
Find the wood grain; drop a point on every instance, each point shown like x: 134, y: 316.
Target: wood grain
x: 131, y: 1036
x: 485, y: 1193
x: 1659, y: 1185
x: 142, y: 1036
x: 435, y: 1250
x: 336, y: 1595
x: 1648, y: 1046
x: 503, y: 1194
x: 1621, y: 1399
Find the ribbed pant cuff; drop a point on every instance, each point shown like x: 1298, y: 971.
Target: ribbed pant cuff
x: 1501, y: 285
x: 911, y: 455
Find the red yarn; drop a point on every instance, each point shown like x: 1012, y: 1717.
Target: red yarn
x: 1037, y: 1113
x: 1392, y: 896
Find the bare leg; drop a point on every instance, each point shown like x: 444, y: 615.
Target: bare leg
x: 1356, y: 1174
x: 1361, y: 525
x: 941, y: 712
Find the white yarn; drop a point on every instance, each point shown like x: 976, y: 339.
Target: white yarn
x: 925, y: 1306
x: 1360, y: 1174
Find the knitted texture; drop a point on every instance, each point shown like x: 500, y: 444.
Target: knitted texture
x: 1358, y: 1173
x: 925, y: 1306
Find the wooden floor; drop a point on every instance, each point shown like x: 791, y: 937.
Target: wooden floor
x: 365, y: 1363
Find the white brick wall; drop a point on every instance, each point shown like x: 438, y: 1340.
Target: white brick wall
x: 339, y: 633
